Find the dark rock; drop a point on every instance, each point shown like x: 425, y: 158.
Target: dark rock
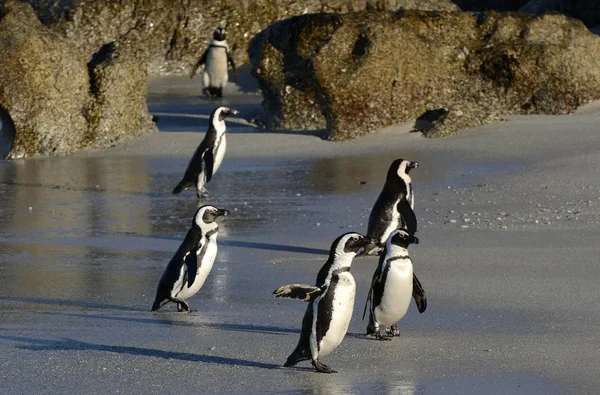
x: 588, y: 11
x: 7, y: 133
x: 490, y: 5
x: 363, y: 71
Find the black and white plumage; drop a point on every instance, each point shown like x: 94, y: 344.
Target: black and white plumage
x: 186, y: 272
x: 215, y: 59
x: 208, y: 156
x: 330, y: 303
x: 394, y: 206
x: 393, y: 286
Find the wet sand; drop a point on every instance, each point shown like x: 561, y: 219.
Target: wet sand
x: 508, y: 222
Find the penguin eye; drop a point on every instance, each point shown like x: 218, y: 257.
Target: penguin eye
x: 355, y: 237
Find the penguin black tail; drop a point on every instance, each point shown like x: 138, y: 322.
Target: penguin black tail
x: 182, y: 186
x: 299, y: 354
x: 159, y: 303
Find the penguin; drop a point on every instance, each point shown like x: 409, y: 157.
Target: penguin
x: 186, y: 272
x: 330, y: 303
x: 394, y: 206
x: 393, y: 285
x: 215, y: 59
x: 208, y: 156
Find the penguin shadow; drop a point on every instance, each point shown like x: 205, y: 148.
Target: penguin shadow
x: 66, y: 344
x: 242, y: 124
x: 184, y: 320
x: 274, y: 247
x: 71, y: 303
x: 261, y: 246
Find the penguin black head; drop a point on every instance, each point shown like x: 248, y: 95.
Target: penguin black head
x: 219, y: 34
x: 402, y: 238
x: 220, y: 113
x: 350, y: 243
x: 399, y: 167
x: 208, y: 214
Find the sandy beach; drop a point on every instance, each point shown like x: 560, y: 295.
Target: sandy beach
x: 508, y: 216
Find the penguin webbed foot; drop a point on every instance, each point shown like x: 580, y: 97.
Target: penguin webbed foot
x: 321, y: 367
x: 381, y: 337
x: 203, y: 193
x: 393, y: 330
x: 183, y: 307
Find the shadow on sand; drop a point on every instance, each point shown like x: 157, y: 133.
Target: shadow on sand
x: 162, y: 319
x: 77, y: 303
x: 71, y: 344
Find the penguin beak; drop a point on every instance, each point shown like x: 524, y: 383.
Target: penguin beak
x: 413, y: 165
x: 367, y: 243
x: 415, y: 240
x: 222, y: 212
x: 231, y: 111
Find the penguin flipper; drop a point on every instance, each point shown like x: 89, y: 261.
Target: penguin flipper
x: 191, y: 261
x: 183, y: 184
x: 209, y: 161
x: 376, y: 277
x: 299, y: 291
x: 419, y: 294
x: 408, y: 215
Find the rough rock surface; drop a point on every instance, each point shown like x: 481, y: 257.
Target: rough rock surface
x: 176, y: 32
x: 47, y: 91
x: 44, y: 85
x: 363, y: 71
x: 118, y: 110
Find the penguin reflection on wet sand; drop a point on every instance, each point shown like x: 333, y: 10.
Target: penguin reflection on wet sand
x: 215, y: 59
x: 393, y: 286
x: 394, y: 206
x: 330, y: 303
x: 186, y: 272
x: 208, y: 156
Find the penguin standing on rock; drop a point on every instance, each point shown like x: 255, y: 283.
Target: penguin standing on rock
x: 186, y: 272
x: 330, y: 303
x: 394, y: 206
x: 208, y: 156
x: 215, y: 59
x: 393, y: 286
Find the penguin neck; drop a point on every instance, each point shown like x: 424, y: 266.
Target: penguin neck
x: 341, y: 260
x: 218, y: 127
x: 396, y: 250
x: 209, y: 230
x: 217, y: 43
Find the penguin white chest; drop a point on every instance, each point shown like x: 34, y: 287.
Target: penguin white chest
x: 341, y: 308
x: 394, y: 222
x: 397, y: 293
x: 205, y: 264
x: 220, y: 151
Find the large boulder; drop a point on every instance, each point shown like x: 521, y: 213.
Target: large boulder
x: 44, y: 85
x: 118, y: 110
x: 176, y: 32
x: 362, y: 71
x: 57, y: 102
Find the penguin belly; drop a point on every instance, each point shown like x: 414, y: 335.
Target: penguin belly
x: 341, y: 309
x: 220, y: 153
x: 397, y: 294
x: 204, y: 268
x: 215, y: 70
